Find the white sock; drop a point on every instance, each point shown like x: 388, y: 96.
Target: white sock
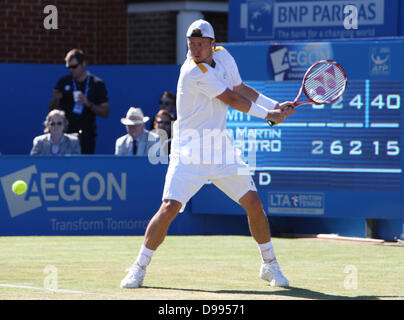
x: 144, y: 257
x: 267, y: 252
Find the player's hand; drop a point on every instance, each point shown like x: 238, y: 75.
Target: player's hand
x: 285, y: 105
x: 281, y: 112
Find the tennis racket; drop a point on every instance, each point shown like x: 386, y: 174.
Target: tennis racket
x: 323, y: 82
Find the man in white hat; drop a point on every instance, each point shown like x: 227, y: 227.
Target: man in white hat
x: 209, y: 82
x: 138, y: 140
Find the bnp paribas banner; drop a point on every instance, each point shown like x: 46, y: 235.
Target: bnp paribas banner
x: 260, y: 20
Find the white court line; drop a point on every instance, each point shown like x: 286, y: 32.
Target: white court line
x: 54, y: 290
x: 43, y: 289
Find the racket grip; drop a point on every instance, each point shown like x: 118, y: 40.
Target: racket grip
x: 271, y: 123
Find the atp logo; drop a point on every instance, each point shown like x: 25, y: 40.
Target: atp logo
x: 63, y: 191
x: 20, y: 204
x: 380, y: 63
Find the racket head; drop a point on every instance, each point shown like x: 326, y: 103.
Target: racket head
x: 324, y: 82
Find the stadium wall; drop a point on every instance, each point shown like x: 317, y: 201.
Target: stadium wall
x: 98, y: 27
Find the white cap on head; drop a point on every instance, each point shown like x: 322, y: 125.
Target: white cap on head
x: 205, y: 27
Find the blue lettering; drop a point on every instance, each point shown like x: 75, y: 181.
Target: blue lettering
x: 302, y: 12
x: 325, y: 15
x: 372, y: 11
x: 362, y: 13
x: 293, y: 14
x: 282, y: 14
x: 316, y: 12
x: 336, y: 13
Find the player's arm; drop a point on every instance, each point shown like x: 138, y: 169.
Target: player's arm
x: 243, y: 104
x: 253, y: 95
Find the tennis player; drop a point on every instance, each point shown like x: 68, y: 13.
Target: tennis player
x: 209, y: 82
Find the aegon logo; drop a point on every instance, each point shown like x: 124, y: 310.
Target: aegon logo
x: 63, y: 191
x: 294, y: 60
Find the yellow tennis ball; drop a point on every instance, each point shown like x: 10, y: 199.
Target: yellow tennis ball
x: 19, y: 187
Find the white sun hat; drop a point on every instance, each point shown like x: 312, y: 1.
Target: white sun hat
x: 134, y: 116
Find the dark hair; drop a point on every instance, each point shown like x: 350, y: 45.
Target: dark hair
x: 164, y: 112
x: 169, y: 95
x: 77, y: 54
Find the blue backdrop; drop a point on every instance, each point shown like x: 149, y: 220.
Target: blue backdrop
x: 26, y: 90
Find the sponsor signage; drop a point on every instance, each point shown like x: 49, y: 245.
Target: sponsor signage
x: 260, y: 20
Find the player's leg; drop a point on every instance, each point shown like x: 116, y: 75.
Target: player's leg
x: 159, y: 224
x: 182, y: 182
x: 241, y: 188
x: 156, y: 231
x: 260, y: 230
x: 257, y: 219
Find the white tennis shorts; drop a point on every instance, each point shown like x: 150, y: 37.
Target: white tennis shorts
x: 183, y: 181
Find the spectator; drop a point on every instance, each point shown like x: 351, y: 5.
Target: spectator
x: 55, y: 141
x: 167, y: 101
x: 138, y: 141
x: 163, y: 121
x: 82, y: 96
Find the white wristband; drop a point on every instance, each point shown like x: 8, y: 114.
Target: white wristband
x: 257, y: 111
x: 266, y: 102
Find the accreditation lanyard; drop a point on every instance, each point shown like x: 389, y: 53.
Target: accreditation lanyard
x: 79, y: 107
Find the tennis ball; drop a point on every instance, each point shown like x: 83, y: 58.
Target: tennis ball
x: 19, y: 187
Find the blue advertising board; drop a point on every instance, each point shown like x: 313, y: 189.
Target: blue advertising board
x: 260, y: 20
x: 93, y: 195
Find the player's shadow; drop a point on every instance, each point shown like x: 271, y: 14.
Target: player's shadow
x: 294, y: 292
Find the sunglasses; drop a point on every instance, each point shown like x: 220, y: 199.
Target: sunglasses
x: 163, y: 122
x: 59, y: 123
x: 73, y: 66
x: 166, y: 103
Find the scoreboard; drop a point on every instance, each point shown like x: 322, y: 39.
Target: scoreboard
x: 348, y: 149
x: 360, y: 132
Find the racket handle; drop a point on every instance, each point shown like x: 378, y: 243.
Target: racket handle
x: 271, y: 123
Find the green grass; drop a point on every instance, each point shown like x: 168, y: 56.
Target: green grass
x: 198, y: 267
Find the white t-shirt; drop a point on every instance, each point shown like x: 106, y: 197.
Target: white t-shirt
x: 201, y: 117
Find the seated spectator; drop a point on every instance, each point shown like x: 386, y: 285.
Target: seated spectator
x: 138, y: 141
x: 167, y: 101
x: 163, y: 121
x: 55, y: 141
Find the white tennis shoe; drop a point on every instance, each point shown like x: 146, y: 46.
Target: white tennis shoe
x: 134, y: 278
x: 272, y: 273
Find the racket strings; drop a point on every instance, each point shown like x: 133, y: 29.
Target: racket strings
x: 324, y: 82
